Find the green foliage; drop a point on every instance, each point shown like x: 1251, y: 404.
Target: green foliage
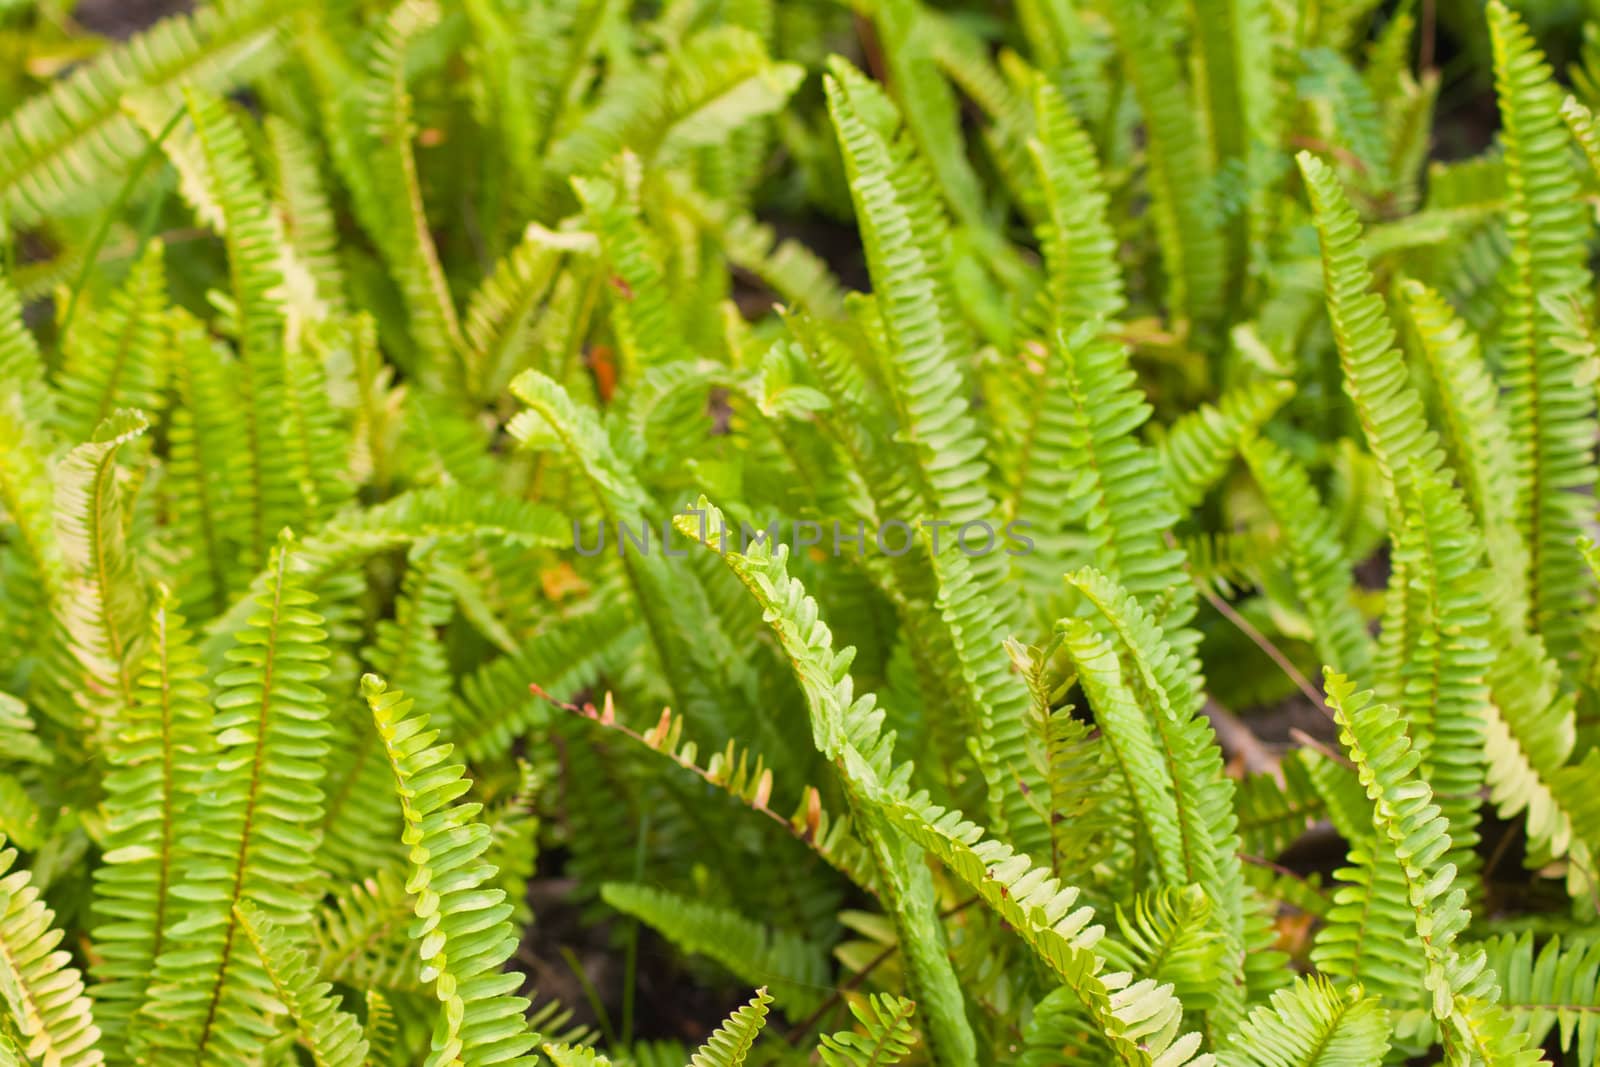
x: 837, y: 500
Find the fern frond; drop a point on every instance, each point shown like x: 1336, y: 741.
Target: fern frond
x: 49, y: 1010
x: 1083, y: 280
x: 406, y: 241
x: 848, y: 730
x: 203, y: 436
x: 1139, y: 1020
x: 1313, y: 1024
x: 304, y: 212
x: 1475, y: 433
x: 1162, y: 685
x: 102, y: 611
x: 254, y: 825
x: 22, y: 365
x: 644, y: 316
x: 1411, y: 830
x: 113, y: 359
x: 1375, y: 373
x: 361, y: 936
x: 745, y: 778
x: 502, y: 312
x: 1555, y: 987
x: 66, y: 149
x: 1197, y: 448
x: 1323, y: 576
x: 696, y: 667
x: 158, y: 757
x: 886, y: 1036
x: 1551, y: 416
x: 1193, y: 253
x: 732, y: 1041
x: 271, y: 499
x: 462, y: 925
x: 331, y: 1035
x: 795, y: 969
x: 1444, y: 664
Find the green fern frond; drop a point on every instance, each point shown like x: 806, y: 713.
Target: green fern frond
x: 22, y: 365
x: 1197, y: 448
x: 849, y: 731
x: 254, y: 825
x: 304, y: 210
x: 1375, y: 373
x: 1444, y: 662
x: 732, y: 1041
x: 645, y: 318
x: 1160, y: 684
x: 102, y: 609
x: 1551, y: 416
x: 361, y: 936
x: 696, y: 667
x: 574, y: 1056
x: 746, y: 778
x: 271, y: 499
x: 331, y: 1035
x: 158, y: 755
x: 1474, y: 432
x: 462, y: 925
x: 113, y: 359
x: 1411, y: 830
x: 208, y: 520
x: 406, y: 241
x: 794, y: 969
x: 1193, y: 253
x: 1556, y: 987
x: 51, y: 1015
x: 1140, y: 1020
x: 1083, y: 280
x: 928, y: 347
x: 886, y: 1036
x: 66, y: 149
x: 1322, y: 574
x: 1168, y: 935
x: 502, y: 312
x: 1313, y: 1024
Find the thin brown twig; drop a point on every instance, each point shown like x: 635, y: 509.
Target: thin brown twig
x: 1226, y: 610
x: 1308, y: 741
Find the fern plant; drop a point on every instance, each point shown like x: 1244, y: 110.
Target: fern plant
x: 552, y: 531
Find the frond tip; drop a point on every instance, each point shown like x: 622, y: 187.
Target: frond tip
x: 733, y: 1040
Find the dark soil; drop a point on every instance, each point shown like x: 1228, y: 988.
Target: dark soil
x: 124, y: 18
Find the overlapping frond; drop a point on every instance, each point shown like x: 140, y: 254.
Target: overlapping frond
x: 66, y: 150
x: 1551, y: 415
x: 1321, y: 571
x: 795, y: 970
x: 52, y: 1017
x: 331, y: 1035
x: 886, y: 1035
x: 462, y: 922
x: 159, y: 752
x: 270, y: 498
x: 102, y: 609
x: 1314, y: 1024
x: 113, y: 359
x: 253, y: 829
